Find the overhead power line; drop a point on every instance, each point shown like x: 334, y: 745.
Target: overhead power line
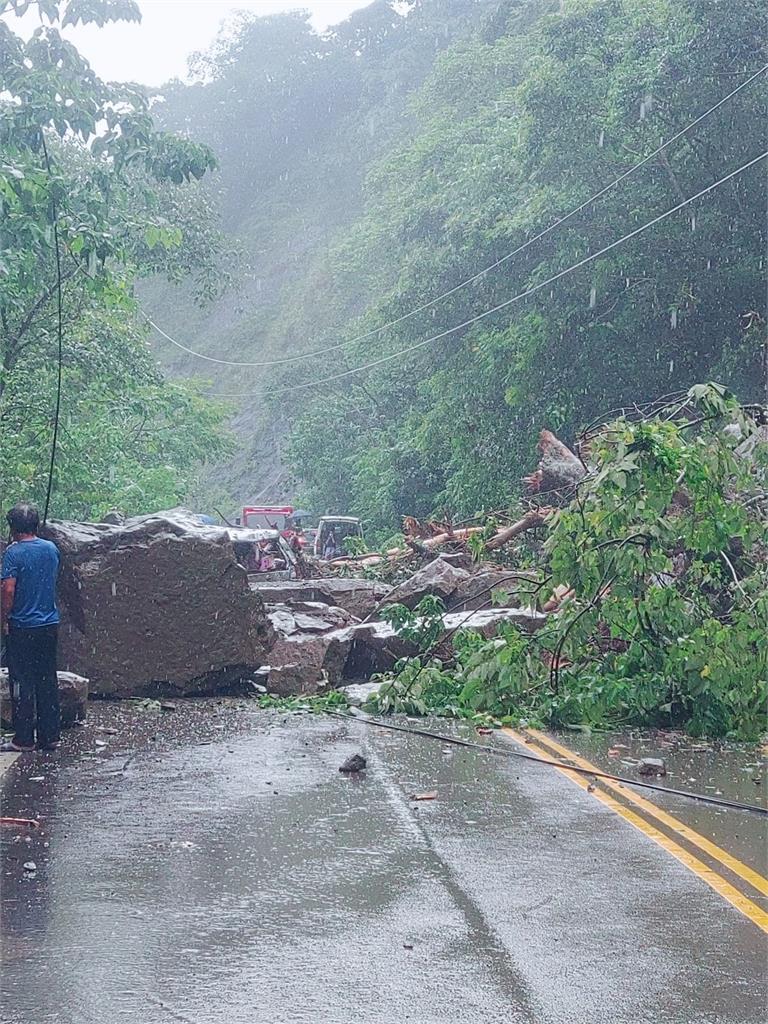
x: 501, y: 305
x: 480, y: 273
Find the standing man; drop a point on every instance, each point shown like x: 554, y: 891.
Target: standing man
x: 30, y: 618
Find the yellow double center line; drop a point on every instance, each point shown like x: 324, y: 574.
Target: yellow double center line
x: 546, y: 747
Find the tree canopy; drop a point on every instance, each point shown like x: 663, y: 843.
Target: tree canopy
x: 84, y: 170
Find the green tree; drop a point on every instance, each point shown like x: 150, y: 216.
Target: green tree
x: 515, y: 128
x: 84, y: 171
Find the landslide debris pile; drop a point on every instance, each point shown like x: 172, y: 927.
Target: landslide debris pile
x: 643, y: 557
x: 629, y: 586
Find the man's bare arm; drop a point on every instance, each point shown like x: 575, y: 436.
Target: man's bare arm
x: 7, y: 593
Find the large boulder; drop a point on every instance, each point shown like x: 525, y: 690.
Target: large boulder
x: 310, y: 651
x: 73, y: 698
x: 438, y: 578
x: 356, y: 596
x: 156, y: 605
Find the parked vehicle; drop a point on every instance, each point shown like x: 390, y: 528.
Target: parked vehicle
x: 334, y: 534
x: 265, y: 553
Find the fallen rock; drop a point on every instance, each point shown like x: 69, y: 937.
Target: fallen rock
x: 373, y: 647
x: 488, y: 620
x: 438, y: 578
x: 327, y: 612
x: 458, y: 559
x: 287, y: 620
x: 156, y: 605
x: 355, y: 763
x: 558, y: 469
x: 485, y: 588
x: 355, y: 596
x: 306, y: 664
x: 651, y: 766
x: 376, y: 647
x: 73, y: 698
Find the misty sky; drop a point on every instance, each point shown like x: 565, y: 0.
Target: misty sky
x: 157, y: 49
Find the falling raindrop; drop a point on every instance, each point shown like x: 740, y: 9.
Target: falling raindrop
x: 671, y: 365
x: 693, y: 222
x: 709, y: 264
x: 626, y: 282
x: 642, y: 110
x: 114, y: 589
x: 592, y: 297
x: 673, y: 319
x: 601, y: 140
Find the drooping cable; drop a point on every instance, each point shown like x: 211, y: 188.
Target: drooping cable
x: 735, y: 805
x: 59, y: 331
x: 480, y: 273
x: 502, y: 305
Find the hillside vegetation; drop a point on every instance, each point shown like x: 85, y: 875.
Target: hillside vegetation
x: 370, y: 170
x: 93, y: 198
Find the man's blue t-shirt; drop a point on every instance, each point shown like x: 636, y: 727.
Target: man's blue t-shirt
x: 34, y: 564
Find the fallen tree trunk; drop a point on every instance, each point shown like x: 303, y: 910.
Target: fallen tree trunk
x: 537, y: 517
x: 444, y: 538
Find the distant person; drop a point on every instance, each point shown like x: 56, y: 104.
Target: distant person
x: 330, y: 548
x: 30, y: 619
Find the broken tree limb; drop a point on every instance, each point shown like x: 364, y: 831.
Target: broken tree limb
x: 444, y: 538
x: 536, y: 517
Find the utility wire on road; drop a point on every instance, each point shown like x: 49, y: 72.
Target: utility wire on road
x: 480, y: 273
x: 733, y: 805
x: 502, y: 305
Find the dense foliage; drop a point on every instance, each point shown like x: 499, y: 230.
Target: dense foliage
x: 662, y: 552
x: 514, y: 131
x: 84, y: 170
x: 397, y: 156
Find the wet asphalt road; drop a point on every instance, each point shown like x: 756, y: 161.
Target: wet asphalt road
x: 733, y: 772
x: 211, y: 865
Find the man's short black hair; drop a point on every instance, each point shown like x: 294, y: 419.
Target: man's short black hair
x: 24, y: 518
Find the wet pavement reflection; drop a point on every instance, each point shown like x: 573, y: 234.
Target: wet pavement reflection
x: 210, y: 864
